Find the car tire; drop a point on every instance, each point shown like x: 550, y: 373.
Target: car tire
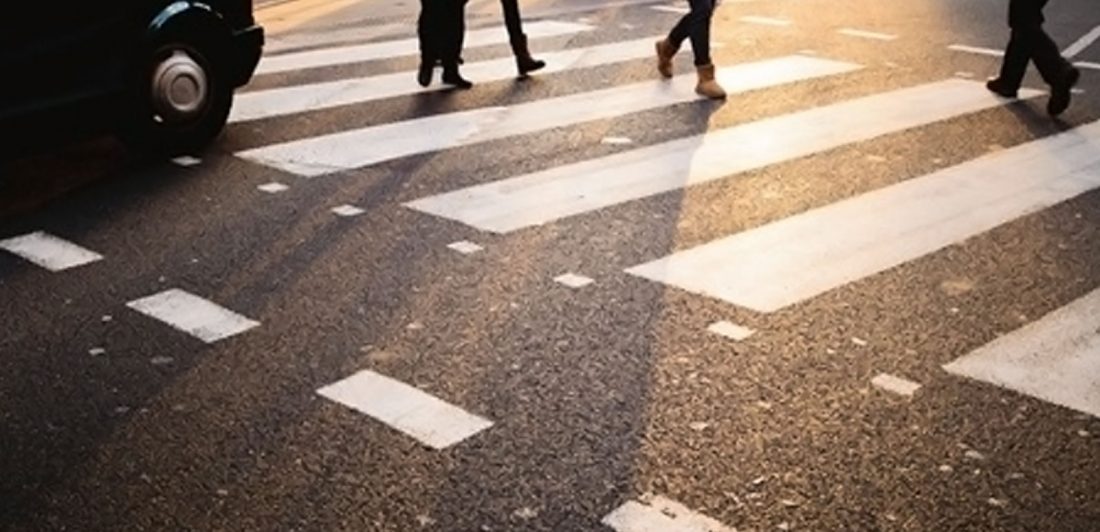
x: 179, y: 97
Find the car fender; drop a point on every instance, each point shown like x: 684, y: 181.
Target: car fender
x: 191, y: 15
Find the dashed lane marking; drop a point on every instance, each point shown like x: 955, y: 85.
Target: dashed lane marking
x: 48, y: 251
x: 193, y: 315
x: 426, y: 418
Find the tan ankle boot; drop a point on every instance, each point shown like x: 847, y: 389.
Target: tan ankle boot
x: 665, y: 53
x: 707, y: 86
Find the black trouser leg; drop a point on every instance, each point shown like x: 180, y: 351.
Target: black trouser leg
x: 1017, y: 55
x: 453, y: 15
x: 428, y: 30
x: 696, y: 26
x: 1048, y: 58
x: 512, y: 20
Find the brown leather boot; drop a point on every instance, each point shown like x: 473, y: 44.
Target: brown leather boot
x: 707, y: 86
x: 665, y: 52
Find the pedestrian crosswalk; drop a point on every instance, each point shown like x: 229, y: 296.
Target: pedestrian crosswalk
x: 770, y: 268
x: 762, y: 269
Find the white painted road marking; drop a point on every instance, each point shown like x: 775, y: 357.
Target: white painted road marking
x: 1084, y: 42
x: 358, y: 148
x: 766, y: 21
x: 429, y: 420
x: 1088, y: 65
x: 404, y: 47
x: 533, y: 199
x: 732, y: 331
x: 1055, y: 359
x: 347, y: 211
x: 186, y: 161
x: 272, y: 188
x: 315, y: 96
x: 893, y: 384
x: 671, y: 9
x: 976, y: 50
x: 794, y: 259
x: 659, y: 514
x: 863, y: 34
x: 193, y: 315
x: 573, y: 280
x: 48, y: 251
x: 464, y: 247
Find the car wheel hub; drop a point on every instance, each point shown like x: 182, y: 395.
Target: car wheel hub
x: 180, y: 88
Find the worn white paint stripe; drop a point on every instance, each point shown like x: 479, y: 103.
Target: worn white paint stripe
x: 895, y: 384
x: 312, y: 97
x: 48, y: 251
x: 549, y: 195
x: 730, y: 330
x: 976, y: 50
x: 863, y: 34
x: 193, y: 315
x: 794, y: 259
x: 1084, y: 42
x: 429, y: 420
x: 765, y: 21
x: 671, y: 9
x: 1088, y: 65
x: 1056, y: 358
x: 659, y: 514
x: 405, y: 47
x: 358, y: 148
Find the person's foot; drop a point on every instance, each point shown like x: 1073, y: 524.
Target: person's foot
x: 1060, y: 94
x: 424, y: 74
x: 453, y: 78
x: 665, y: 53
x: 1001, y: 89
x: 525, y: 64
x: 528, y: 64
x: 707, y: 85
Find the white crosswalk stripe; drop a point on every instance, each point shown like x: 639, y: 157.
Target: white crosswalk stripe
x: 765, y: 269
x: 311, y: 97
x: 550, y: 195
x: 404, y: 47
x: 1056, y: 358
x: 358, y: 148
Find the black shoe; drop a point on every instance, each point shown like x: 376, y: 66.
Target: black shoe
x: 452, y: 77
x: 1061, y: 93
x: 1000, y: 89
x: 528, y: 64
x: 424, y: 75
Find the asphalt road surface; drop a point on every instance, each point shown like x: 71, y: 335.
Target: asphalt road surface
x: 861, y: 294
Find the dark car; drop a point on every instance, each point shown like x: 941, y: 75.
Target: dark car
x: 159, y: 73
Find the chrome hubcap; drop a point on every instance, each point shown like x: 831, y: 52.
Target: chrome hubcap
x: 180, y: 88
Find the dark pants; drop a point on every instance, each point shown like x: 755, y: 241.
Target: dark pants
x: 512, y: 20
x: 441, y: 29
x: 1029, y: 42
x: 695, y: 25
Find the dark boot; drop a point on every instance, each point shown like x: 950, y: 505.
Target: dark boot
x: 525, y: 64
x: 1000, y: 88
x: 424, y: 74
x: 1061, y: 93
x: 452, y: 77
